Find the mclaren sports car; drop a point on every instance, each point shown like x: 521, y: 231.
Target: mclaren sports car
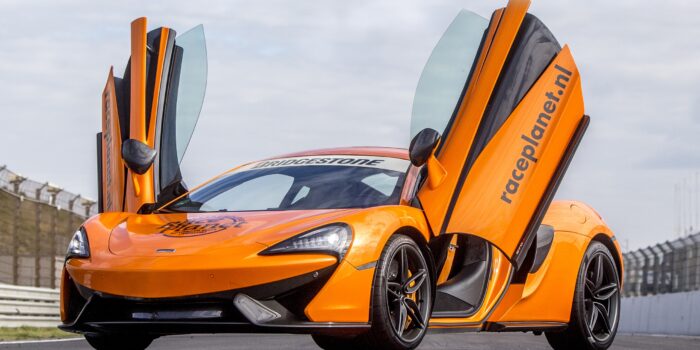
x: 359, y: 247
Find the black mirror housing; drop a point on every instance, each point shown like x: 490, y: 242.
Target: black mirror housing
x: 422, y: 146
x: 138, y: 156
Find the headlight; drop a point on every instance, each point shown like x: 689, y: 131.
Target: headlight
x: 78, y: 246
x: 332, y: 239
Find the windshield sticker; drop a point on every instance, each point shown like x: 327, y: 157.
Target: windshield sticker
x: 387, y: 163
x: 200, y: 226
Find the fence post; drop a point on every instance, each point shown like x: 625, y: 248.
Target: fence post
x: 696, y: 263
x: 16, y: 182
x: 631, y: 272
x: 37, y: 245
x: 648, y: 271
x: 52, y: 243
x: 670, y: 266
x: 37, y: 236
x: 87, y: 203
x: 15, y: 242
x: 71, y: 205
x: 641, y: 272
x: 54, y: 191
x: 689, y: 268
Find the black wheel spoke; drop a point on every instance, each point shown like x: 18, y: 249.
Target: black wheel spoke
x: 394, y: 289
x: 414, y: 312
x: 594, y: 319
x: 605, y: 292
x: 403, y: 266
x: 598, y: 271
x: 590, y: 286
x: 414, y: 283
x: 401, y: 318
x: 603, y: 315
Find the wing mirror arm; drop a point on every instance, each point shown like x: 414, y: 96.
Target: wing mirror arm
x: 436, y: 172
x: 422, y: 152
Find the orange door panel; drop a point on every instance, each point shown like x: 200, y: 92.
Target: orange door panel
x: 111, y: 176
x: 512, y: 137
x: 156, y: 105
x: 139, y: 187
x: 457, y: 141
x: 512, y: 176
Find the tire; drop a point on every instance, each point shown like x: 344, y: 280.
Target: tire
x: 328, y: 342
x: 401, y: 269
x: 118, y: 341
x: 595, y: 312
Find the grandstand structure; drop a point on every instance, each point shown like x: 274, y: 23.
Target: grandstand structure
x: 37, y: 220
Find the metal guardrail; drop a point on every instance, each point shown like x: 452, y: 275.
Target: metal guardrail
x: 28, y: 306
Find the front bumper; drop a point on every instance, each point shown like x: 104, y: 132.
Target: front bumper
x: 282, y: 302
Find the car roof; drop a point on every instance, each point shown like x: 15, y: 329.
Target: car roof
x: 354, y: 151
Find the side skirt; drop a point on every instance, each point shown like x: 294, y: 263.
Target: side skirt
x: 524, y: 326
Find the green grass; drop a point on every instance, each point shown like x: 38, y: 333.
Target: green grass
x: 33, y: 333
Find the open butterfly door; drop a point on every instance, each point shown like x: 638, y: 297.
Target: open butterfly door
x: 148, y: 118
x: 507, y: 100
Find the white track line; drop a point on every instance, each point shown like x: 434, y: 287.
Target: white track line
x: 656, y: 335
x: 38, y: 341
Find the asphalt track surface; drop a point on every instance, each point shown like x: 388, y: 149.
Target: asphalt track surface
x: 473, y: 341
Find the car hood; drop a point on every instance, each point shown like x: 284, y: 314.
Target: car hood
x: 177, y: 234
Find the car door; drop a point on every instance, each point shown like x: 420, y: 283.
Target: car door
x: 155, y: 106
x: 507, y: 100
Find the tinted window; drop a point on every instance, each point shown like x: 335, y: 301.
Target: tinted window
x: 445, y: 74
x: 297, y: 188
x: 191, y: 85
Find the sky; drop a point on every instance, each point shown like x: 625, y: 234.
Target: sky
x: 294, y: 75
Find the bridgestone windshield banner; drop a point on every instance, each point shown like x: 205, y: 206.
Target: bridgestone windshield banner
x: 386, y: 163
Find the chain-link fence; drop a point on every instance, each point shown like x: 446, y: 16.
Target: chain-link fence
x: 36, y: 222
x: 667, y: 267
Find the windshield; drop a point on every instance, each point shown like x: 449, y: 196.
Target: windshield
x: 301, y: 183
x: 445, y: 74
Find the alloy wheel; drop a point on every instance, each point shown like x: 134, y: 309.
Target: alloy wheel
x: 408, y: 293
x: 601, y: 297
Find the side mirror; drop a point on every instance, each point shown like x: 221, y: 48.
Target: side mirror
x: 422, y: 146
x: 137, y: 156
x: 421, y: 152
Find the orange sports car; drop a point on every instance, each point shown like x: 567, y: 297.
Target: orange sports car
x: 359, y: 247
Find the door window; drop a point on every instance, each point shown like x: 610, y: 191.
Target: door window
x: 446, y: 73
